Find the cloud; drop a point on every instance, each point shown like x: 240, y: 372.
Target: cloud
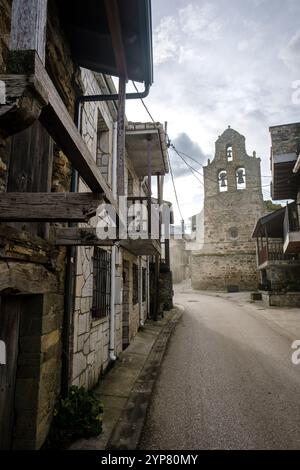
x: 175, y: 37
x: 184, y: 144
x: 289, y: 54
x: 220, y: 63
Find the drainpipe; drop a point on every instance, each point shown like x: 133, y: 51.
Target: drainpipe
x: 148, y: 287
x: 112, y: 320
x: 69, y: 286
x: 142, y: 320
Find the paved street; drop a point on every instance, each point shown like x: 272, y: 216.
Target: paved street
x: 227, y: 380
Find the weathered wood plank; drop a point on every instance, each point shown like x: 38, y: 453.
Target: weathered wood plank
x: 28, y: 26
x: 49, y: 207
x: 79, y: 236
x: 24, y: 100
x: 58, y: 122
x: 121, y: 138
x: 9, y: 327
x: 113, y: 16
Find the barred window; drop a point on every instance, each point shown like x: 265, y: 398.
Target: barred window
x: 144, y: 283
x: 135, y: 284
x: 101, y: 283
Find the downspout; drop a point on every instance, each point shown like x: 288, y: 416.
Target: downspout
x: 148, y: 287
x: 69, y: 286
x: 112, y: 322
x: 142, y: 320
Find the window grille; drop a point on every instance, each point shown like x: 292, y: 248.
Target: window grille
x: 101, y: 283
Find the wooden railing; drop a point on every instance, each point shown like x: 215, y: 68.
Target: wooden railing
x: 273, y: 251
x: 148, y: 227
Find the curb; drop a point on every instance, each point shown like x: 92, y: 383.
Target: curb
x: 127, y: 431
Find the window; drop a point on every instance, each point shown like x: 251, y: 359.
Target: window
x: 135, y: 284
x: 233, y: 233
x: 240, y: 178
x: 103, y: 149
x: 222, y: 180
x: 144, y: 284
x: 101, y: 283
x: 229, y: 154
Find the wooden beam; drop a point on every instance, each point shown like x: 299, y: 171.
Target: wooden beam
x: 28, y: 26
x: 24, y: 101
x: 48, y: 207
x: 59, y: 124
x: 113, y: 16
x: 79, y: 236
x: 121, y: 138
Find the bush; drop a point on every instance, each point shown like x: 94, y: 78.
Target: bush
x: 77, y: 416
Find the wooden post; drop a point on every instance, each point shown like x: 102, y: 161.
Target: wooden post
x: 28, y: 26
x: 159, y: 198
x: 149, y: 164
x: 121, y: 137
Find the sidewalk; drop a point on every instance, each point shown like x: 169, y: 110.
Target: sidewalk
x: 126, y: 389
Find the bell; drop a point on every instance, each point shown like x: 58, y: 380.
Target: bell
x: 240, y: 177
x: 223, y: 182
x: 229, y: 154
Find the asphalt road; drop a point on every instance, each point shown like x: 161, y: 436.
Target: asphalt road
x: 227, y: 382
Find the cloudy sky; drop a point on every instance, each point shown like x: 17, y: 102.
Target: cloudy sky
x: 220, y: 63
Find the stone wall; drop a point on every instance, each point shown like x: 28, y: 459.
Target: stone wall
x: 216, y: 272
x: 288, y: 299
x: 229, y: 218
x: 179, y: 261
x: 39, y: 365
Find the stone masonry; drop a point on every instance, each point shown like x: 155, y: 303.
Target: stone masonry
x: 232, y: 204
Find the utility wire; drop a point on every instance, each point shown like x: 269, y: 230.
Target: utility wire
x: 170, y: 166
x: 175, y: 192
x: 143, y: 103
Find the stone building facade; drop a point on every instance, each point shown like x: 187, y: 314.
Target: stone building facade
x: 233, y: 201
x: 58, y: 337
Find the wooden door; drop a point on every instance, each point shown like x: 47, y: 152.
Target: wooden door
x: 9, y: 333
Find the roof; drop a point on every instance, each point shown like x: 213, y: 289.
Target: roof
x: 89, y: 33
x: 229, y: 134
x: 137, y: 138
x: 272, y: 223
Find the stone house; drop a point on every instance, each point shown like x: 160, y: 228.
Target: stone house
x: 70, y: 302
x: 180, y: 260
x: 233, y: 201
x: 278, y: 234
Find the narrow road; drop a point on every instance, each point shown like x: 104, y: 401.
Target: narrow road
x: 227, y: 382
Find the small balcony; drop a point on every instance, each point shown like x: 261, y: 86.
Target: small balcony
x: 271, y: 252
x: 143, y: 226
x: 291, y: 230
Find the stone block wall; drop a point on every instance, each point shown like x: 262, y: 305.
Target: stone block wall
x: 228, y: 255
x: 216, y: 272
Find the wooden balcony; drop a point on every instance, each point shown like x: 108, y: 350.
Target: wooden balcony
x: 291, y: 230
x: 139, y: 233
x: 143, y: 227
x: 271, y: 252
